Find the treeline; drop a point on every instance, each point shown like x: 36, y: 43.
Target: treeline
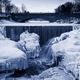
x: 7, y: 7
x: 68, y: 8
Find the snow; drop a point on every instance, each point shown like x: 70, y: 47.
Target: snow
x: 2, y: 33
x: 69, y: 48
x: 56, y: 73
x: 46, y: 54
x: 16, y: 55
x: 38, y: 21
x: 29, y: 43
x: 34, y: 23
x: 7, y: 22
x: 11, y: 57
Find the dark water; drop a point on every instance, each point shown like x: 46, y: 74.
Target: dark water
x: 45, y: 32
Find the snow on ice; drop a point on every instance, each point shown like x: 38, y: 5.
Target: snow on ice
x: 29, y: 43
x: 56, y: 73
x: 69, y: 49
x: 11, y: 57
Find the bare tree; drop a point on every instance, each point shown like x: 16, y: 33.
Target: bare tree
x: 7, y: 7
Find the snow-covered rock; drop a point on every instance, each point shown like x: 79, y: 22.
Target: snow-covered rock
x: 29, y: 43
x: 69, y: 50
x: 11, y: 57
x: 55, y: 73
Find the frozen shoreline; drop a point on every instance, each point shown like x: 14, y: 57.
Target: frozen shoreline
x: 36, y: 23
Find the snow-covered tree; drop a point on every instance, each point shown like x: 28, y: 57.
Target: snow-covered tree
x: 23, y: 8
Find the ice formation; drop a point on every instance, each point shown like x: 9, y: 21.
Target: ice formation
x: 46, y: 54
x: 55, y: 73
x: 29, y: 43
x: 11, y: 57
x: 69, y: 49
x: 65, y: 52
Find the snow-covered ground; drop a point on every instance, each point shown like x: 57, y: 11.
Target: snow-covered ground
x: 34, y: 23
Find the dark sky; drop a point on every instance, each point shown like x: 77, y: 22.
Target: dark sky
x: 39, y: 5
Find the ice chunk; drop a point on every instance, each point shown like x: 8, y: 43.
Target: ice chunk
x: 11, y: 57
x: 29, y: 43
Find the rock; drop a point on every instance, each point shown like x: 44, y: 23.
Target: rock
x: 56, y: 73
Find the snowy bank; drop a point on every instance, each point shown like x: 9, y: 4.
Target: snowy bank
x: 47, y: 56
x: 11, y: 57
x: 55, y: 73
x: 69, y: 51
